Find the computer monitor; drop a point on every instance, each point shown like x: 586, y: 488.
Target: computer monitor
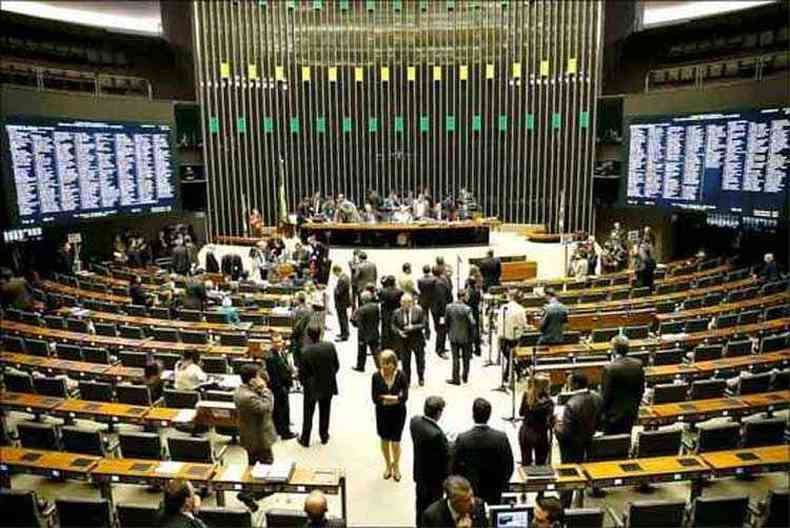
x: 509, y: 516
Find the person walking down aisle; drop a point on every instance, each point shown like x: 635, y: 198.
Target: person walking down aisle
x: 342, y: 301
x: 622, y: 387
x: 427, y: 288
x: 483, y: 455
x: 431, y: 455
x: 255, y: 403
x: 320, y: 365
x: 461, y: 330
x: 366, y: 318
x: 389, y: 391
x: 537, y: 409
x: 408, y: 323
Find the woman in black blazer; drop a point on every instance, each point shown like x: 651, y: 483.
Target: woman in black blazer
x: 537, y: 409
x: 390, y: 390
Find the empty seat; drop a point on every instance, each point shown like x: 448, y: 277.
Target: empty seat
x: 727, y: 321
x: 179, y: 399
x: 640, y: 292
x: 131, y: 332
x: 96, y: 355
x: 55, y: 322
x: 38, y: 436
x: 749, y: 383
x: 665, y: 307
x: 707, y: 352
x: 85, y: 441
x: 620, y: 294
x: 37, y: 347
x: 710, y: 512
x: 190, y: 449
x: 82, y: 513
x: 67, y: 351
x: 673, y: 356
x: 670, y: 393
x: 96, y: 391
x: 77, y: 325
x: 663, y: 289
x: 216, y: 317
x: 132, y: 359
x: 215, y: 364
x: 190, y: 315
x: 777, y: 312
x: 741, y: 347
x: 758, y: 431
x: 636, y: 332
x: 696, y: 325
x: 18, y: 382
x: 712, y: 299
x: 169, y: 335
x: 583, y: 518
x: 51, y: 386
x: 593, y: 297
x: 26, y: 507
x: 194, y: 337
x: 775, y: 509
x: 642, y: 355
x: 571, y: 338
x: 141, y: 445
x: 14, y: 344
x: 750, y: 317
x: 671, y: 327
x: 133, y: 394
x: 105, y: 329
x: 168, y: 360
x: 226, y: 517
x: 663, y: 442
x: 136, y: 310
x: 604, y: 335
x: 159, y: 312
x: 138, y: 516
x: 774, y: 343
x: 692, y: 304
x: 717, y: 437
x: 706, y: 389
x: 781, y: 380
x: 609, y: 447
x: 233, y: 339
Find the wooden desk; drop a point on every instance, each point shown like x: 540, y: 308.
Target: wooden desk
x: 423, y: 234
x: 168, y: 416
x: 638, y: 471
x: 709, y: 311
x: 566, y: 477
x: 753, y: 460
x: 587, y: 322
x: 51, y: 365
x: 78, y: 293
x: 50, y: 464
x: 331, y: 481
x: 100, y: 411
x: 693, y: 411
x: 28, y: 403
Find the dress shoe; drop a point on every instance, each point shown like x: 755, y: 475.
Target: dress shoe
x: 341, y: 339
x: 422, y: 383
x: 453, y: 382
x: 442, y: 355
x: 325, y: 440
x: 288, y: 436
x: 302, y: 442
x: 358, y: 369
x: 248, y: 501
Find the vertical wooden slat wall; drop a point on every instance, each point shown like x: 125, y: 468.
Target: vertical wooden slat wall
x: 336, y: 96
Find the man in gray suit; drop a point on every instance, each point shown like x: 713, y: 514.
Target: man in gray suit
x: 255, y: 403
x: 554, y: 318
x: 364, y: 274
x: 461, y: 330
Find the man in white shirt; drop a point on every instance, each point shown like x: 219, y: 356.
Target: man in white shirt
x: 187, y: 373
x: 512, y: 323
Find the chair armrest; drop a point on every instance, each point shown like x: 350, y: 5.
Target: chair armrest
x: 619, y: 522
x: 159, y: 402
x: 218, y: 455
x: 688, y: 445
x: 112, y: 447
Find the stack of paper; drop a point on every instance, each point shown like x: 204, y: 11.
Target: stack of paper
x: 278, y: 472
x: 169, y: 468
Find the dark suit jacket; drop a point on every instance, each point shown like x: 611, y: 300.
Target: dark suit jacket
x: 426, y: 285
x: 580, y: 419
x: 367, y: 320
x: 415, y: 337
x: 645, y: 273
x: 770, y: 272
x: 622, y: 387
x: 180, y: 259
x: 431, y: 452
x: 138, y: 295
x: 460, y: 323
x: 553, y: 323
x: 365, y: 274
x: 438, y: 515
x: 443, y: 295
x: 195, y: 296
x: 180, y: 520
x: 483, y: 455
x: 491, y: 270
x: 320, y: 366
x: 16, y: 294
x: 343, y: 291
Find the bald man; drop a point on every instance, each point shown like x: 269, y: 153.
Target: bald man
x: 315, y: 507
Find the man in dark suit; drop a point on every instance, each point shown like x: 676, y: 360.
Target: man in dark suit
x: 195, y: 295
x: 646, y: 270
x: 426, y: 286
x: 280, y: 382
x: 365, y: 273
x: 408, y: 324
x: 491, y: 270
x: 769, y: 271
x: 319, y: 365
x: 15, y: 292
x: 342, y: 300
x: 137, y: 292
x: 483, y: 455
x: 441, y: 298
x: 554, y: 318
x: 459, y: 508
x: 180, y: 258
x: 367, y: 318
x: 181, y: 506
x: 461, y: 330
x: 622, y: 387
x: 431, y: 454
x: 579, y: 421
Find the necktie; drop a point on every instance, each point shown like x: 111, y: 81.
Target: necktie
x: 408, y: 318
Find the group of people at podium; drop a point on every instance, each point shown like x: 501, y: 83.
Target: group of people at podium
x: 394, y: 208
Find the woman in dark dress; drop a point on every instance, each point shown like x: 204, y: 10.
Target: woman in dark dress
x: 537, y: 409
x: 390, y: 390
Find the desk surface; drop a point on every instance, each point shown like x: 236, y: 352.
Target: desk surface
x: 707, y: 311
x: 302, y: 476
x: 619, y: 471
x: 568, y: 476
x: 28, y: 402
x: 115, y: 411
x: 770, y: 456
x: 48, y: 461
x: 417, y: 226
x: 123, y: 468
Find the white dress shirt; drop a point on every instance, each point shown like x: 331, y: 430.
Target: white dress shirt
x: 513, y: 321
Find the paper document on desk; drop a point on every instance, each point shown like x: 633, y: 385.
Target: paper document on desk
x: 169, y: 468
x: 233, y: 473
x: 278, y: 472
x: 79, y: 312
x: 246, y: 325
x: 185, y: 416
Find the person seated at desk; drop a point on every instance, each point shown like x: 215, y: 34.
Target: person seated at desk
x: 315, y: 507
x: 138, y: 293
x: 402, y: 215
x: 459, y: 506
x: 180, y: 506
x: 421, y: 207
x: 548, y: 513
x: 392, y: 202
x: 187, y: 373
x: 15, y: 292
x: 769, y: 271
x: 230, y: 311
x: 346, y: 212
x: 328, y: 208
x: 196, y: 295
x: 369, y: 215
x: 255, y: 223
x: 152, y: 378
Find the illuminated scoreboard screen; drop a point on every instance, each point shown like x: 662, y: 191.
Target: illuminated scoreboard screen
x: 65, y: 170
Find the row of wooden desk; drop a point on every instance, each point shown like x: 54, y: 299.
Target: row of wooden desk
x: 698, y: 410
x: 759, y: 302
x: 638, y: 471
x: 218, y: 478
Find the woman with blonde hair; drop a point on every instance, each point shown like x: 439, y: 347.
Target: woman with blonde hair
x: 537, y: 409
x: 390, y: 390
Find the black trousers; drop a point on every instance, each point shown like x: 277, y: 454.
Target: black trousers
x: 406, y: 351
x: 324, y: 408
x: 264, y: 456
x: 342, y: 319
x: 533, y: 440
x: 387, y: 335
x: 478, y: 328
x: 426, y: 494
x: 362, y: 353
x: 441, y: 330
x: 464, y: 350
x: 281, y: 414
x: 505, y: 346
x: 571, y: 452
x: 426, y: 309
x: 620, y: 426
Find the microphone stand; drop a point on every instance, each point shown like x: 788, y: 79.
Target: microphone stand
x: 458, y: 273
x: 513, y: 418
x: 503, y: 387
x: 490, y: 309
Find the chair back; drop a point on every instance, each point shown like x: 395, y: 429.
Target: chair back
x: 710, y: 512
x: 24, y: 504
x: 38, y: 436
x: 141, y: 445
x: 83, y: 441
x: 73, y: 513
